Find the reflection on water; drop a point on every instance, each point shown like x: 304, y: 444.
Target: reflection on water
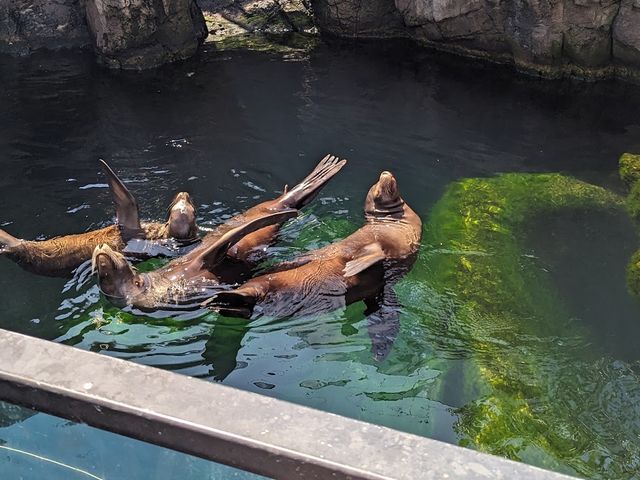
x: 234, y: 128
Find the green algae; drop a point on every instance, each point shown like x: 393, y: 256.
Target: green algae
x: 283, y: 28
x: 506, y: 322
x: 629, y: 169
x: 629, y: 165
x: 282, y: 44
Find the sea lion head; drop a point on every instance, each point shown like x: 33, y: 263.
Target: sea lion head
x: 117, y: 279
x: 384, y: 197
x: 182, y: 217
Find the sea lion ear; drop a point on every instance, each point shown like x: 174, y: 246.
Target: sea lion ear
x: 370, y: 255
x: 212, y: 255
x: 125, y: 202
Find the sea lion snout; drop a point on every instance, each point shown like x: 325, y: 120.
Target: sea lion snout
x: 103, y: 259
x: 384, y: 196
x: 387, y: 181
x: 182, y: 217
x: 116, y: 278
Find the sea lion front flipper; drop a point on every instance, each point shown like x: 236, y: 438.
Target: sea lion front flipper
x: 370, y: 255
x: 125, y: 202
x: 383, y: 321
x: 213, y: 254
x: 232, y: 303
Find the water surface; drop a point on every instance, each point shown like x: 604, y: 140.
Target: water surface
x: 233, y: 128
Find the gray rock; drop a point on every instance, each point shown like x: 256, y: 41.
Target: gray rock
x: 129, y: 34
x: 359, y: 18
x: 626, y: 34
x: 553, y: 37
x: 28, y: 25
x: 138, y: 34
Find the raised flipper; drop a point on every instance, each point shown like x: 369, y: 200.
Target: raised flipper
x: 126, y: 204
x: 307, y: 189
x: 383, y: 321
x: 7, y: 241
x: 212, y: 255
x: 370, y: 255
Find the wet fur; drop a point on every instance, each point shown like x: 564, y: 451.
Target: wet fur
x: 59, y: 256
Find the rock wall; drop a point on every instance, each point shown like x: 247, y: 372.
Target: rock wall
x: 591, y: 38
x: 27, y: 25
x: 132, y: 34
x: 128, y: 34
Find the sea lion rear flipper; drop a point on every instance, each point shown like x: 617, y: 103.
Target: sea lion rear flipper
x: 7, y: 241
x: 383, y: 321
x: 125, y: 202
x: 371, y: 255
x: 232, y: 303
x: 307, y: 189
x: 213, y: 254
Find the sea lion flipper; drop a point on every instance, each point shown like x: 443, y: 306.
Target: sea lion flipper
x: 307, y: 189
x: 213, y: 254
x: 234, y: 303
x: 370, y: 255
x: 126, y: 204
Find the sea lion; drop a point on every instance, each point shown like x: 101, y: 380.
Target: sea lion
x: 59, y: 256
x: 363, y: 266
x: 177, y: 284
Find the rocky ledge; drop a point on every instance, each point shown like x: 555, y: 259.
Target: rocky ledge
x: 553, y: 38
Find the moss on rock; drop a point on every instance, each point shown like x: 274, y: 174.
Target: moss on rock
x: 633, y: 274
x: 505, y: 315
x: 630, y: 174
x: 629, y: 168
x: 283, y: 27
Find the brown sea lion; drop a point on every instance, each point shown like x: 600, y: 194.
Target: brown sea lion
x: 59, y: 256
x: 363, y: 266
x: 180, y: 283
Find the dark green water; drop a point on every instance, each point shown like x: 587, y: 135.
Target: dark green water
x: 232, y: 128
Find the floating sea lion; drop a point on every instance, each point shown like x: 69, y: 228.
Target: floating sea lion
x: 363, y: 266
x: 178, y: 284
x: 59, y: 256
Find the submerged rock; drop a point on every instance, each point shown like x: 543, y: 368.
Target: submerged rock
x: 585, y: 38
x: 630, y: 174
x: 507, y: 327
x: 629, y: 168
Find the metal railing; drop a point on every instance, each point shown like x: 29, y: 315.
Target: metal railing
x: 242, y: 429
